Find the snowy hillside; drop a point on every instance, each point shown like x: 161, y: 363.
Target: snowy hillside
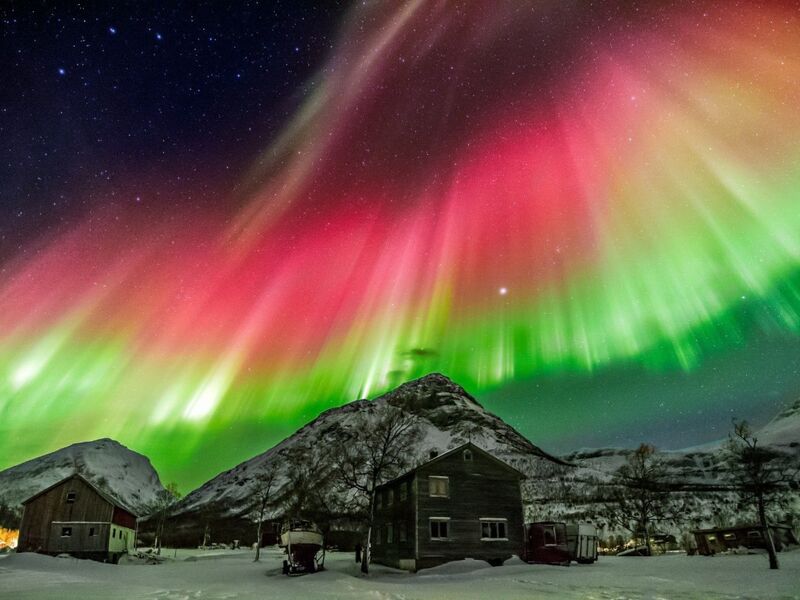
x: 118, y: 471
x: 447, y: 414
x: 784, y: 429
x: 702, y: 467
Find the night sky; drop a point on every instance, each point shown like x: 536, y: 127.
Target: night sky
x: 217, y: 221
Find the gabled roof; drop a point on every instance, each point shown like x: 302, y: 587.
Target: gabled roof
x: 462, y: 447
x: 104, y: 495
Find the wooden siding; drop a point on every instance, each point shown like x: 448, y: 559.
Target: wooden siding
x: 400, y: 514
x: 123, y: 518
x: 43, y: 512
x: 478, y: 488
x: 80, y: 540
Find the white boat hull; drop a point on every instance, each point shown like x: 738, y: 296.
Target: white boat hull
x: 301, y: 538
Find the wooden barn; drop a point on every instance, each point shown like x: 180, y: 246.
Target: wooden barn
x: 74, y: 517
x: 462, y: 504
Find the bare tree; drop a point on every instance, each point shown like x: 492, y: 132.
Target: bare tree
x: 762, y: 476
x: 640, y: 494
x: 262, y: 490
x: 380, y: 448
x: 160, y: 509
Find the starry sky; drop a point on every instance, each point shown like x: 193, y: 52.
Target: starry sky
x: 217, y: 222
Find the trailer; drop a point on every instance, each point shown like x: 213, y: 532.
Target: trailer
x: 582, y: 542
x: 546, y: 543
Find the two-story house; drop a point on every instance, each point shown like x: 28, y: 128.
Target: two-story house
x: 462, y: 504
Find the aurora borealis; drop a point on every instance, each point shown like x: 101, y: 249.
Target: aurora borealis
x: 553, y: 203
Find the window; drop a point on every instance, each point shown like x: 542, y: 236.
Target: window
x: 754, y: 534
x: 389, y: 533
x: 493, y: 529
x: 468, y: 455
x: 377, y: 536
x: 91, y: 532
x: 71, y: 497
x: 729, y: 537
x: 379, y: 500
x: 66, y: 532
x: 439, y: 526
x: 401, y: 532
x: 389, y: 497
x: 550, y: 536
x: 403, y: 491
x: 438, y: 487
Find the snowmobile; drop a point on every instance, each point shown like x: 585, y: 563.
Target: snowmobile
x: 303, y: 544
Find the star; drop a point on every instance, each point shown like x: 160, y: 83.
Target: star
x: 62, y: 71
x: 503, y: 291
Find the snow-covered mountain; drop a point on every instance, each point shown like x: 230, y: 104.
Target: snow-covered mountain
x: 448, y: 416
x: 702, y: 468
x: 120, y: 472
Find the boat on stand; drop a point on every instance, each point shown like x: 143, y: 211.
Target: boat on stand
x: 302, y: 541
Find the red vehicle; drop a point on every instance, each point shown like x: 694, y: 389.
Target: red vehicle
x: 546, y: 543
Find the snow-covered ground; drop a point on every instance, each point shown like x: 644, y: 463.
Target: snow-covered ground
x: 232, y: 574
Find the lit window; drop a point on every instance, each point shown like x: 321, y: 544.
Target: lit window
x: 71, y: 497
x: 439, y: 487
x: 492, y: 529
x: 66, y: 532
x: 439, y: 527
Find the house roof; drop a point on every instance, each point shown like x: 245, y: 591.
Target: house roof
x: 449, y: 453
x: 105, y: 495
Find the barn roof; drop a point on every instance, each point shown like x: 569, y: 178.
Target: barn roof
x: 103, y: 494
x: 460, y: 448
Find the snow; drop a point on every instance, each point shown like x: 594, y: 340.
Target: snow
x: 232, y: 574
x: 115, y: 469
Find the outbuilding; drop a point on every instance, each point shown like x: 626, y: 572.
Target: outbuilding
x: 74, y: 516
x: 722, y: 539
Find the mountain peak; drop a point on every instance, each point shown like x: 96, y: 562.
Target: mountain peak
x: 429, y: 392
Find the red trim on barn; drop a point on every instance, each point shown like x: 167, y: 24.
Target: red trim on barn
x: 123, y: 518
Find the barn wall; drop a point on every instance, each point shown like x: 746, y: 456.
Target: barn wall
x: 36, y: 532
x: 80, y: 540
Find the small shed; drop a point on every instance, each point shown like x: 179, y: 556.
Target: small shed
x: 73, y: 516
x: 721, y: 539
x: 465, y: 503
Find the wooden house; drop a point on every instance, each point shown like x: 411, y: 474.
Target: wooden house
x: 74, y: 517
x: 462, y: 504
x: 721, y: 539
